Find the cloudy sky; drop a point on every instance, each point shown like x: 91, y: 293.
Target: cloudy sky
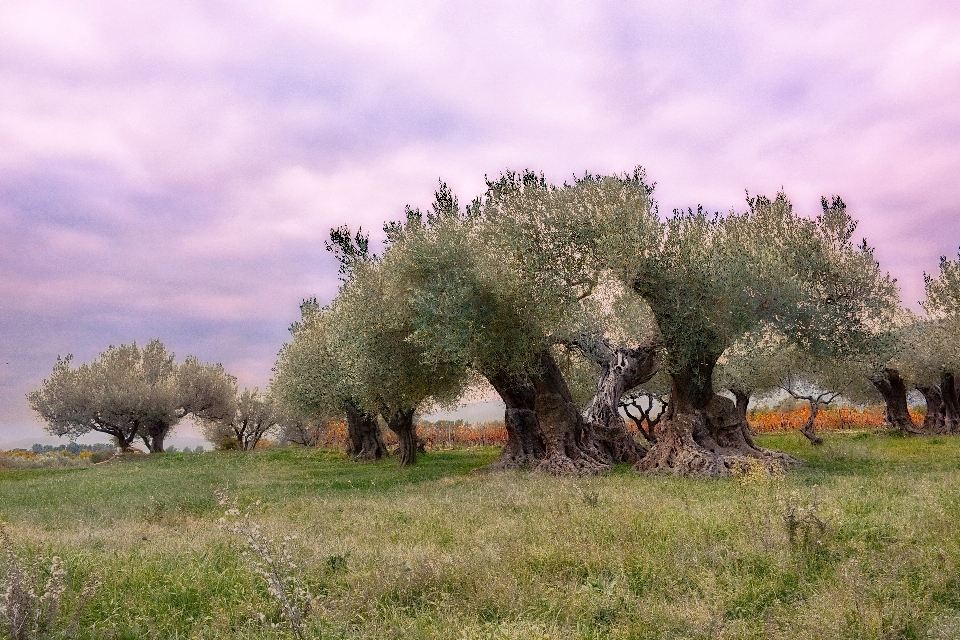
x: 171, y: 169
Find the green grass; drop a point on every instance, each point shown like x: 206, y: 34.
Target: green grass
x: 439, y: 552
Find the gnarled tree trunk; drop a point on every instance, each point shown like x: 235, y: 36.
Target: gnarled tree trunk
x: 951, y: 403
x: 401, y: 423
x: 741, y: 399
x: 567, y: 437
x: 933, y: 422
x: 363, y: 431
x: 525, y: 446
x: 153, y: 436
x: 620, y: 371
x: 809, y: 429
x: 894, y: 391
x: 705, y: 436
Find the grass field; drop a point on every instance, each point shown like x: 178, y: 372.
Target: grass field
x: 861, y: 542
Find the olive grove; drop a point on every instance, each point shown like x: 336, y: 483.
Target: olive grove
x: 534, y: 288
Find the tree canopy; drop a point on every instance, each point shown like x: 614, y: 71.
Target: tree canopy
x: 130, y: 392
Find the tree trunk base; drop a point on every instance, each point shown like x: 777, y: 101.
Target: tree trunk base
x: 569, y: 441
x: 808, y: 431
x: 618, y: 444
x: 568, y: 463
x: 712, y: 443
x: 524, y: 448
x: 372, y: 449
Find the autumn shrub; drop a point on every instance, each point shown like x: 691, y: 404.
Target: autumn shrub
x: 52, y: 460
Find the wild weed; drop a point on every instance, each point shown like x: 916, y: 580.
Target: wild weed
x: 270, y: 560
x: 803, y: 521
x: 28, y: 612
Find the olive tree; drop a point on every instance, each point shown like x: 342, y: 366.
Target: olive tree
x: 130, y: 392
x: 710, y: 279
x: 388, y: 371
x: 935, y: 349
x: 466, y: 309
x: 500, y: 287
x: 550, y: 238
x: 312, y: 381
x: 253, y: 417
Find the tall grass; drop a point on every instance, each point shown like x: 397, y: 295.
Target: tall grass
x: 861, y: 542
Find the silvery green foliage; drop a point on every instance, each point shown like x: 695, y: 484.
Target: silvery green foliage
x: 943, y: 290
x: 930, y: 349
x: 711, y: 279
x: 934, y: 342
x: 823, y: 378
x: 554, y: 240
x: 374, y: 319
x: 468, y: 306
x: 764, y: 361
x: 754, y: 364
x: 311, y: 375
x: 129, y: 391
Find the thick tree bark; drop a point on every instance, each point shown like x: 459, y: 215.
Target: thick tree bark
x: 933, y: 422
x: 153, y: 437
x: 620, y: 371
x: 705, y: 435
x: 525, y: 446
x: 809, y: 429
x: 401, y: 423
x: 951, y: 403
x: 894, y: 391
x: 568, y: 438
x: 363, y: 431
x: 742, y: 401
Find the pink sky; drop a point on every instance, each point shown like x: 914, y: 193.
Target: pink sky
x: 171, y: 169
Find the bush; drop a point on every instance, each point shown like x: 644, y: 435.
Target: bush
x: 101, y: 456
x: 30, y: 460
x: 227, y: 443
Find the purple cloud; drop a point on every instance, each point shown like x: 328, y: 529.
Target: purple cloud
x: 171, y: 169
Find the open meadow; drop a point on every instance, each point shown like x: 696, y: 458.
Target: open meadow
x: 861, y: 542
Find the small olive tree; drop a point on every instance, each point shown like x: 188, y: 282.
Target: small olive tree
x: 254, y: 416
x: 389, y: 373
x: 130, y: 392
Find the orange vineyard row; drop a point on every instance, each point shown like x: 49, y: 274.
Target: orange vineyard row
x: 433, y: 437
x: 764, y: 421
x: 494, y: 433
